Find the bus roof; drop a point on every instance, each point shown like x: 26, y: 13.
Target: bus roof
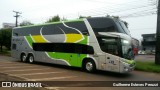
x: 77, y: 20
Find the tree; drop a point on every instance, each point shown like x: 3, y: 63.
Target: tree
x: 54, y: 19
x: 5, y: 38
x: 26, y: 23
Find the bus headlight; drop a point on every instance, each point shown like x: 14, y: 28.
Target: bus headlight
x: 126, y: 64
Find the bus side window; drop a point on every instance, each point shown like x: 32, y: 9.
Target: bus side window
x: 108, y: 45
x: 90, y: 50
x: 14, y: 46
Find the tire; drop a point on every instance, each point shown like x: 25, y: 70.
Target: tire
x: 23, y: 57
x: 90, y: 66
x: 31, y: 58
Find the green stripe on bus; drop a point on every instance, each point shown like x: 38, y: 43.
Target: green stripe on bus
x: 29, y: 39
x: 73, y: 59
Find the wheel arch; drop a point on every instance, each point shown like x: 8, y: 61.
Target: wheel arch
x: 28, y: 57
x: 22, y: 54
x: 30, y: 53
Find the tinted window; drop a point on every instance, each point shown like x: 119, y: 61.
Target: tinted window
x: 52, y: 29
x: 71, y: 27
x: 27, y: 31
x: 79, y: 26
x: 107, y: 25
x: 109, y: 45
x: 63, y: 47
x: 123, y: 26
x: 127, y: 50
x: 102, y: 25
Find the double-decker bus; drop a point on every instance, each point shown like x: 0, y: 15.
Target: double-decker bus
x: 98, y: 43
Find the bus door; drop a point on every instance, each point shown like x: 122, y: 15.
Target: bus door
x: 112, y: 63
x: 100, y: 57
x: 113, y: 53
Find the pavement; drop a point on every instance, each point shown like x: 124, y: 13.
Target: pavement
x: 50, y: 72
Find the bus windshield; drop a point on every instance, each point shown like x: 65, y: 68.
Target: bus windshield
x: 108, y: 25
x: 123, y: 26
x: 127, y: 51
x: 115, y: 46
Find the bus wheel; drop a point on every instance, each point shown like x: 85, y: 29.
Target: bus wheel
x: 23, y: 57
x: 90, y: 66
x: 31, y: 58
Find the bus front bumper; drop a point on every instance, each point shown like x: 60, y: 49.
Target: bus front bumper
x: 128, y: 69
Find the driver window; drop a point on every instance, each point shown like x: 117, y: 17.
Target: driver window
x: 108, y: 45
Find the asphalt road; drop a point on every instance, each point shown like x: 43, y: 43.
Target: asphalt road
x: 51, y: 72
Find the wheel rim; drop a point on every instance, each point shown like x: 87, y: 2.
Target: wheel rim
x: 89, y: 66
x: 24, y: 58
x: 31, y: 59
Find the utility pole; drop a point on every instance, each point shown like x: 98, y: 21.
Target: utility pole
x: 17, y: 15
x: 157, y: 56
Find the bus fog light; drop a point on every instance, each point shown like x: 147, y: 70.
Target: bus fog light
x: 125, y: 69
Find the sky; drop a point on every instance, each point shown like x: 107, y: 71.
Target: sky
x: 140, y: 14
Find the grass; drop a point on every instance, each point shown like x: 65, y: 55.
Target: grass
x: 5, y: 52
x: 147, y: 66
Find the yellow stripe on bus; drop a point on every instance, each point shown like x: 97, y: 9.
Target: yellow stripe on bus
x: 73, y: 37
x: 38, y: 38
x: 70, y: 38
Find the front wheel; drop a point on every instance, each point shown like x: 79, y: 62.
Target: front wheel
x: 90, y: 66
x: 31, y: 58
